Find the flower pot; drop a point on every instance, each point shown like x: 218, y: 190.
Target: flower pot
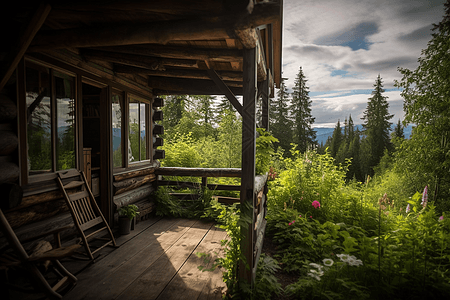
x: 124, y: 225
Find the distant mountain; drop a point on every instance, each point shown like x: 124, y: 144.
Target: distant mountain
x: 323, y: 133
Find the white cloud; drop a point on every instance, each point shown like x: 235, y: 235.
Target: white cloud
x: 396, y: 32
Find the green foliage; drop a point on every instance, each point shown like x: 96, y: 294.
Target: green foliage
x: 266, y: 284
x: 264, y: 151
x: 235, y: 220
x: 129, y: 211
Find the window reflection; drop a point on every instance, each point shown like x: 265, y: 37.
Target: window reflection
x: 117, y: 129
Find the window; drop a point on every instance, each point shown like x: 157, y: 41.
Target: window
x: 50, y: 99
x: 117, y: 102
x: 137, y: 137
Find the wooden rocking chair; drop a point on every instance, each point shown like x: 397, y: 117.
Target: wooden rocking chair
x: 84, y: 209
x: 32, y: 264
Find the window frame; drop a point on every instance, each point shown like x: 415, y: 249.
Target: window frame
x: 26, y: 177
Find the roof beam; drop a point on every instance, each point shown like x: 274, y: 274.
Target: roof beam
x: 177, y: 73
x: 157, y: 32
x: 152, y: 63
x: 224, y: 55
x: 163, y: 86
x: 16, y: 53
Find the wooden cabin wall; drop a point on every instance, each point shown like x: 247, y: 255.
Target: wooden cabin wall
x: 10, y: 191
x: 40, y: 206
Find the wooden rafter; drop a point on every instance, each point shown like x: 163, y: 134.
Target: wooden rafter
x: 152, y: 63
x: 158, y: 32
x: 225, y: 90
x: 16, y: 53
x: 175, y: 52
x: 177, y: 73
x: 167, y: 86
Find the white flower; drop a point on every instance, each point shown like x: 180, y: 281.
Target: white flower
x: 317, y: 266
x: 353, y: 261
x: 328, y: 262
x: 314, y: 276
x: 343, y: 257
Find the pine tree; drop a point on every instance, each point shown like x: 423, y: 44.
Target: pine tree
x: 280, y: 124
x: 304, y: 136
x: 398, y: 130
x: 376, y: 126
x: 336, y: 139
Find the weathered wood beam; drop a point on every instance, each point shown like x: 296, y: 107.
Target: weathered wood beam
x: 179, y: 73
x: 147, y: 62
x: 247, y: 194
x: 154, y: 50
x: 199, y: 172
x: 20, y: 46
x: 165, y: 86
x: 225, y: 90
x: 158, y: 32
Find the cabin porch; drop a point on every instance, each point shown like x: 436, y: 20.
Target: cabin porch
x: 157, y: 260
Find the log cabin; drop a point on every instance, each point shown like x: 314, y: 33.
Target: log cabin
x: 78, y: 79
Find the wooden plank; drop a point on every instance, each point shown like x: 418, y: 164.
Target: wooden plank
x: 124, y: 265
x: 133, y: 196
x: 132, y: 183
x: 25, y: 37
x: 126, y: 174
x: 190, y: 282
x: 166, y: 266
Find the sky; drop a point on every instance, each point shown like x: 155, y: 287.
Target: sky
x: 342, y: 46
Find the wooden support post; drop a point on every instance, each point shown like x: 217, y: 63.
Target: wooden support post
x: 265, y: 95
x: 247, y: 194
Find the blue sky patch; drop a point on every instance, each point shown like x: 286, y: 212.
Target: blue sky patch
x: 355, y: 37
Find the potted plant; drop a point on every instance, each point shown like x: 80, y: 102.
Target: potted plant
x: 126, y: 215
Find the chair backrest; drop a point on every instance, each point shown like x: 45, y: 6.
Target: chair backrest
x: 81, y: 202
x: 12, y: 238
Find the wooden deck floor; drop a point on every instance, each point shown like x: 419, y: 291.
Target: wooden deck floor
x: 156, y: 261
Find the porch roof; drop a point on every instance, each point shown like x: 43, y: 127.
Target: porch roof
x: 172, y: 43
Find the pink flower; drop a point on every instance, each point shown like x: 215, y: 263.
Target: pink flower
x: 425, y: 196
x: 316, y: 204
x: 310, y: 217
x: 290, y: 224
x: 299, y: 216
x: 441, y: 218
x: 293, y: 221
x: 408, y: 208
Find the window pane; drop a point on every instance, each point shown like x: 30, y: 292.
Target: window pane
x: 38, y: 120
x: 65, y: 121
x: 133, y: 142
x: 117, y: 129
x: 142, y: 133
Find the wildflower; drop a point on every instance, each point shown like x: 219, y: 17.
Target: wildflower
x: 424, y: 197
x: 313, y: 275
x: 343, y: 257
x: 293, y: 221
x: 408, y: 208
x: 317, y: 266
x: 290, y: 224
x: 328, y: 262
x: 441, y: 218
x: 310, y: 217
x: 316, y: 204
x: 352, y: 261
x: 299, y: 216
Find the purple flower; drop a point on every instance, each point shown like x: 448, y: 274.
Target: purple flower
x: 425, y: 196
x: 441, y: 218
x: 408, y: 208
